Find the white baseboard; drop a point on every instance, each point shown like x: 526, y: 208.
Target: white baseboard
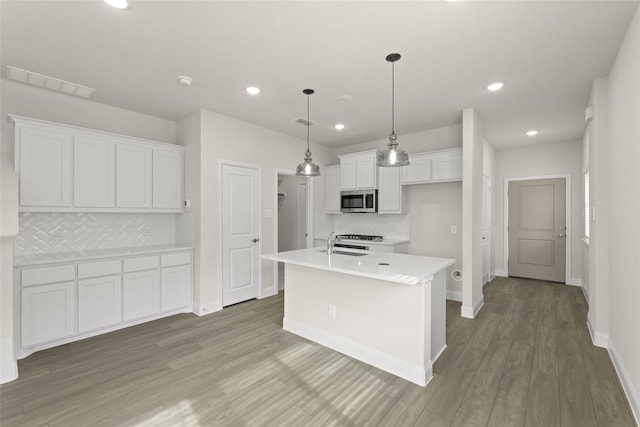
x: 501, y: 273
x: 269, y: 292
x: 8, y: 362
x: 420, y: 375
x: 585, y: 292
x: 625, y: 379
x: 454, y: 295
x: 203, y: 310
x: 471, y: 312
x: 574, y: 281
x: 599, y: 339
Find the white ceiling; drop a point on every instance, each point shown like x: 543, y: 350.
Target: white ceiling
x: 546, y: 52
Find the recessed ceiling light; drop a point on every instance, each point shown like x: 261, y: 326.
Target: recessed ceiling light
x: 338, y: 126
x: 185, y: 80
x: 495, y: 86
x: 252, y: 90
x: 532, y: 132
x: 118, y: 4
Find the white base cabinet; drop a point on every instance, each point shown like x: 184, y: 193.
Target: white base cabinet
x: 140, y: 294
x: 65, y: 302
x: 99, y: 302
x: 48, y: 313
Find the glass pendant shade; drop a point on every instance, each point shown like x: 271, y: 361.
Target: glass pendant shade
x: 308, y: 168
x: 393, y: 156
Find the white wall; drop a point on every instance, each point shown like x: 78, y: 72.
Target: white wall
x: 214, y: 137
x: 624, y: 227
x: 534, y: 161
x: 472, y: 170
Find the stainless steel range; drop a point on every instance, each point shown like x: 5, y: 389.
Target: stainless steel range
x: 360, y: 237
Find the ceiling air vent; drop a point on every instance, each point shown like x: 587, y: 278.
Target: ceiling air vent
x: 304, y: 122
x: 46, y: 82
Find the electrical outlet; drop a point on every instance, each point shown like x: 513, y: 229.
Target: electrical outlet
x: 454, y: 229
x: 332, y: 311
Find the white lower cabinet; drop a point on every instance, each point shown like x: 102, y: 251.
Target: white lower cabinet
x: 176, y: 287
x: 99, y: 302
x: 140, y: 294
x: 48, y: 313
x: 60, y: 303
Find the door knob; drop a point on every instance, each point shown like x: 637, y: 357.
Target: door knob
x: 255, y: 240
x: 560, y: 235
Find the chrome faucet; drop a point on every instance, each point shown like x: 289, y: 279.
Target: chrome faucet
x: 330, y: 242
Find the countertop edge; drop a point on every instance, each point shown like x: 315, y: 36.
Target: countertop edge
x: 427, y: 277
x: 24, y: 261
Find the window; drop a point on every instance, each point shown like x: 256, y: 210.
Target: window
x: 586, y: 206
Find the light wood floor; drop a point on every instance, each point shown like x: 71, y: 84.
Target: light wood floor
x: 526, y: 360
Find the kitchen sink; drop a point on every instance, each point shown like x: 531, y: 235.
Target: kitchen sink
x: 347, y: 253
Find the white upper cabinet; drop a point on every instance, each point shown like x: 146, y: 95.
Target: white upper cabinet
x: 44, y: 163
x: 434, y: 166
x: 391, y: 195
x: 65, y: 168
x: 332, y: 189
x: 168, y: 175
x: 94, y: 164
x: 447, y: 165
x: 133, y: 175
x: 358, y: 171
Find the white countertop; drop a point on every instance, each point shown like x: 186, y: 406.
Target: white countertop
x: 401, y: 268
x: 57, y: 257
x: 388, y: 242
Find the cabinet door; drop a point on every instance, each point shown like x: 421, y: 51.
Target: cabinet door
x: 140, y: 294
x: 348, y: 176
x: 133, y: 176
x: 418, y: 171
x: 99, y: 302
x: 45, y: 167
x: 48, y: 313
x: 176, y: 287
x: 332, y: 189
x: 366, y: 172
x: 94, y: 166
x: 390, y: 193
x: 167, y: 179
x: 447, y: 166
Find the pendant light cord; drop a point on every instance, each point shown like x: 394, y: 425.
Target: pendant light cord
x: 393, y: 98
x: 308, y: 122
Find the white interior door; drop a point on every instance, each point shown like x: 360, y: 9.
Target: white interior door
x: 302, y: 214
x: 240, y: 234
x: 486, y: 229
x: 537, y: 229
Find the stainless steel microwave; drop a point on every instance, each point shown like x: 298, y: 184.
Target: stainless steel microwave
x: 359, y: 201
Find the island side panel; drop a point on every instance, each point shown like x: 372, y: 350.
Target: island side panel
x: 438, y: 316
x: 381, y: 323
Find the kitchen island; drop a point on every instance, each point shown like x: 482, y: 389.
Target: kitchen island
x: 384, y: 309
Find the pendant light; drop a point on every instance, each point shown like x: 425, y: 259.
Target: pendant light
x: 393, y: 156
x: 308, y: 168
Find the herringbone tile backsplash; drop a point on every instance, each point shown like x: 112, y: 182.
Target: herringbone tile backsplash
x: 64, y: 232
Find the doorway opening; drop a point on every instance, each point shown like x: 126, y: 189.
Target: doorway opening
x: 293, y: 218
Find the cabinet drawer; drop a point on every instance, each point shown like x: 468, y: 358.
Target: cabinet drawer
x: 38, y: 276
x: 176, y: 259
x: 101, y: 268
x: 141, y: 263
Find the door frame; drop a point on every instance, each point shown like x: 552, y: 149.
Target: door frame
x: 258, y: 168
x: 306, y: 220
x: 567, y: 213
x: 310, y: 186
